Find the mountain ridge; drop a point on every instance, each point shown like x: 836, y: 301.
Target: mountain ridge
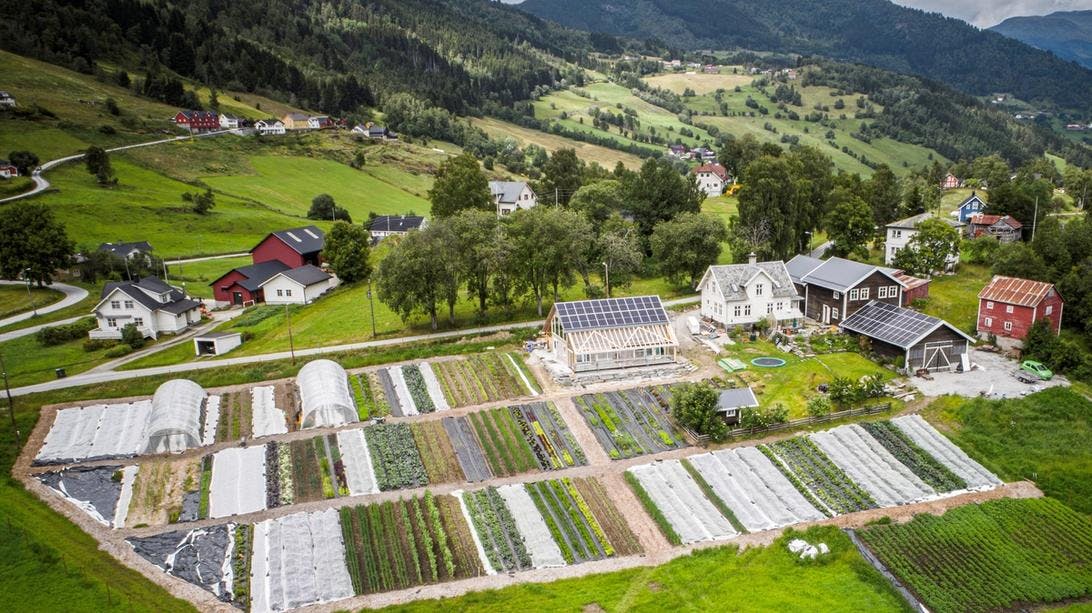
x: 1066, y: 34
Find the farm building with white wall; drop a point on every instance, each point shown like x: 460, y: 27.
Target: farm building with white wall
x: 588, y: 335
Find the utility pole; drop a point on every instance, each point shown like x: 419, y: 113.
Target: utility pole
x: 1035, y: 219
x: 291, y: 344
x: 26, y: 273
x: 11, y: 405
x: 606, y: 277
x: 371, y: 303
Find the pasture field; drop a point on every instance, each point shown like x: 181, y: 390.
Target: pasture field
x: 955, y: 297
x: 699, y: 82
x: 588, y: 152
x: 14, y: 299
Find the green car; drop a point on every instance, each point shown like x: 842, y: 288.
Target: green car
x: 1037, y: 369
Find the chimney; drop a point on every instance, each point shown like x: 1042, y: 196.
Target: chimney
x: 752, y: 258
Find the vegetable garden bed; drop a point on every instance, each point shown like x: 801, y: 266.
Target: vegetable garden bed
x: 675, y: 500
x: 824, y: 485
x: 395, y: 458
x: 925, y: 466
x: 869, y: 464
x: 570, y: 519
x: 630, y: 423
x: 437, y: 453
x: 236, y: 417
x: 481, y: 378
x: 615, y: 526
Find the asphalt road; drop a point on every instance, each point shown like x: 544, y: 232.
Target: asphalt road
x: 72, y: 295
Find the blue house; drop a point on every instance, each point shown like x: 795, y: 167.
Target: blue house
x: 970, y: 207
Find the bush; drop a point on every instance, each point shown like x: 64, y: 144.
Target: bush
x: 132, y: 336
x: 95, y: 344
x: 819, y: 406
x: 119, y: 351
x: 56, y: 335
x: 844, y: 392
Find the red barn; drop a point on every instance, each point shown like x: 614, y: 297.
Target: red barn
x: 293, y: 248
x: 243, y: 286
x: 1008, y: 307
x: 198, y: 121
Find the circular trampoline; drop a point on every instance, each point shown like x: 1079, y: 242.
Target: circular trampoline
x: 768, y: 362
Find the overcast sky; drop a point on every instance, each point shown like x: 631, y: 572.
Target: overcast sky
x: 986, y: 13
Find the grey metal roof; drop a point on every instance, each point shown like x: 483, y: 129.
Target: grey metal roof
x: 256, y: 274
x: 180, y: 306
x: 178, y: 302
x: 308, y: 239
x: 305, y: 275
x: 738, y: 398
x: 395, y: 223
x: 911, y: 223
x: 838, y: 274
x: 733, y: 279
x: 894, y: 325
x: 507, y: 190
x: 800, y: 266
x: 124, y: 249
x: 610, y: 313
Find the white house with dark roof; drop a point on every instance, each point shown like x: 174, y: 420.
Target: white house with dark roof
x: 7, y: 100
x: 899, y: 234
x: 382, y: 226
x: 300, y: 285
x: 229, y: 122
x: 510, y: 196
x: 153, y: 306
x: 744, y: 294
x: 8, y: 170
x: 129, y: 250
x: 269, y: 126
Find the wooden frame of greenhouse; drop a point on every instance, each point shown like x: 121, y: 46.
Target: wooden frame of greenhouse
x: 590, y: 335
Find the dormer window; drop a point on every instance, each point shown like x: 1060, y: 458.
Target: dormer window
x: 758, y: 289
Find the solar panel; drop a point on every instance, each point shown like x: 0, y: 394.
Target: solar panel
x: 890, y: 323
x: 611, y: 313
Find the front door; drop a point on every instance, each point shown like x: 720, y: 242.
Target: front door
x: 826, y: 314
x: 237, y: 298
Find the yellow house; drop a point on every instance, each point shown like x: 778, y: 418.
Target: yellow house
x: 295, y: 121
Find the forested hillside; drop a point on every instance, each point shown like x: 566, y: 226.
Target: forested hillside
x: 875, y: 32
x: 331, y: 56
x: 1066, y: 34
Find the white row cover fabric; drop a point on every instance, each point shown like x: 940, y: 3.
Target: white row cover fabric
x: 128, y: 478
x: 212, y: 420
x: 298, y: 560
x: 401, y: 390
x: 489, y: 570
x: 359, y: 473
x: 532, y: 527
x: 682, y: 502
x: 266, y: 418
x: 238, y: 481
x: 175, y: 421
x: 946, y: 452
x: 96, y: 431
x: 527, y: 384
x: 872, y: 466
x: 435, y: 391
x: 325, y: 395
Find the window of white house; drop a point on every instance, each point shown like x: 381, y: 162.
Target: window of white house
x: 115, y: 304
x: 769, y: 307
x: 896, y: 234
x: 139, y: 321
x: 853, y: 294
x: 128, y: 304
x: 746, y: 309
x: 111, y: 322
x: 1008, y: 308
x: 1008, y: 326
x: 864, y: 293
x: 989, y: 304
x: 1049, y: 309
x: 758, y: 290
x: 287, y: 292
x: 737, y: 311
x: 280, y: 292
x: 989, y: 322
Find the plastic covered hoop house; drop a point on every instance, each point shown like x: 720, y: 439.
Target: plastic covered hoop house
x: 174, y: 423
x: 324, y: 394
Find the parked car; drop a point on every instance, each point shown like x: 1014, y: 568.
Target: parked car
x: 1037, y: 369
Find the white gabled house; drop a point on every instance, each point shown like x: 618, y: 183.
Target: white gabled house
x: 899, y: 234
x: 229, y: 122
x: 744, y: 294
x: 300, y: 285
x: 712, y: 179
x: 382, y: 226
x: 152, y: 305
x: 269, y: 126
x: 510, y: 196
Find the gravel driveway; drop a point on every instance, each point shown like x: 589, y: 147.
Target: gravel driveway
x: 991, y: 376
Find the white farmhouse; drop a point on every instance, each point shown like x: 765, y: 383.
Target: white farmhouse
x: 900, y: 232
x: 7, y: 101
x: 512, y: 195
x: 297, y: 286
x: 743, y: 294
x: 153, y: 306
x: 269, y: 126
x: 229, y: 122
x: 712, y: 179
x: 382, y: 226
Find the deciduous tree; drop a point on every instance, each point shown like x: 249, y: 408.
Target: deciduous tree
x: 850, y: 226
x: 694, y: 405
x: 562, y: 176
x: 460, y: 185
x: 929, y: 250
x: 34, y: 244
x: 346, y: 250
x: 685, y: 246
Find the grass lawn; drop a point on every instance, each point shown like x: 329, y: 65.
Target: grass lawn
x: 955, y: 297
x: 82, y: 307
x: 588, y: 152
x: 196, y: 276
x: 29, y: 362
x: 775, y: 580
x: 16, y: 186
x: 793, y: 384
x: 14, y: 299
x: 1043, y: 437
x: 700, y: 83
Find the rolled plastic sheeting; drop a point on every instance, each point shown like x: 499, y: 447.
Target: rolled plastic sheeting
x: 266, y: 418
x: 298, y: 560
x: 238, y: 481
x: 174, y: 424
x: 324, y: 394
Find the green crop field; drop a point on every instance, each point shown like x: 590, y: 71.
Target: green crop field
x: 1043, y: 437
x: 606, y: 157
x: 775, y: 581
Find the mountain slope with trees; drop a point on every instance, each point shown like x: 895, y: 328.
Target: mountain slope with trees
x: 1066, y: 34
x: 875, y: 32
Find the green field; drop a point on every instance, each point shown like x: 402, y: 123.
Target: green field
x: 29, y: 362
x: 1043, y: 437
x: 588, y: 152
x: 82, y: 307
x: 15, y: 299
x: 955, y: 297
x: 767, y: 579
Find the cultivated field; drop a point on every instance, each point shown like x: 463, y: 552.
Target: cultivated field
x: 607, y: 158
x: 630, y: 423
x: 699, y: 82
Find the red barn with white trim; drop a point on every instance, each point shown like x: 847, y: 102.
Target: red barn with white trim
x: 1008, y: 307
x: 198, y: 121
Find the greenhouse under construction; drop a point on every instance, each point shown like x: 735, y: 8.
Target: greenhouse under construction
x: 325, y: 397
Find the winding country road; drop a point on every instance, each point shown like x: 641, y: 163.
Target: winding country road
x: 72, y: 295
x: 41, y: 183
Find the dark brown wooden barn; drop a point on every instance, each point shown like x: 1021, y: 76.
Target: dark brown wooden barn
x: 922, y: 341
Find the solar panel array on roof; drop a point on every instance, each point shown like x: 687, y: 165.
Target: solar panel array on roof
x: 890, y: 324
x: 611, y: 313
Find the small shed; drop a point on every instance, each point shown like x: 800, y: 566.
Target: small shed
x: 732, y: 402
x: 923, y: 341
x: 609, y: 333
x: 216, y: 343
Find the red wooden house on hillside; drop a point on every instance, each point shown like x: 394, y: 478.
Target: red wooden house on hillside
x: 198, y: 121
x: 1008, y: 307
x: 295, y: 247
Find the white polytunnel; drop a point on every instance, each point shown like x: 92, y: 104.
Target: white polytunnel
x: 325, y: 397
x: 175, y: 420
